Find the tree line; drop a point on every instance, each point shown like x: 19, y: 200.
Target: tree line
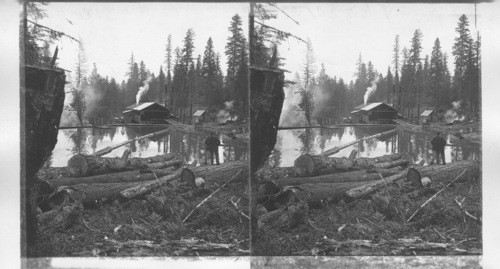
x: 413, y: 83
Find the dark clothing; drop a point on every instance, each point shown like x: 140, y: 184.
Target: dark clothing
x: 438, y: 144
x: 212, y: 145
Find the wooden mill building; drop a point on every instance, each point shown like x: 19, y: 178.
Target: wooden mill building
x: 374, y: 113
x: 148, y: 112
x: 428, y: 116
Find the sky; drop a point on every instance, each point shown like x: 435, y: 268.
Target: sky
x: 339, y: 32
x: 111, y: 32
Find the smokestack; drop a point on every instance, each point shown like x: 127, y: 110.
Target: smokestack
x: 370, y: 90
x: 142, y: 90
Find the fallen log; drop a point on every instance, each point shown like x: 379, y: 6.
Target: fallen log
x: 148, y: 186
x: 107, y: 150
x: 321, y: 165
x: 87, y: 165
x: 221, y: 173
x: 391, y: 164
x: 444, y: 172
x: 127, y: 176
x: 88, y: 193
x: 264, y: 174
x: 166, y: 164
x: 353, y: 154
x: 372, y: 186
x: 337, y: 149
x: 329, y: 192
x: 48, y: 173
x: 354, y: 176
x: 61, y: 218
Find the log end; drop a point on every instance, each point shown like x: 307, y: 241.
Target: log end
x: 188, y: 176
x: 414, y: 177
x: 79, y: 163
x: 305, y: 161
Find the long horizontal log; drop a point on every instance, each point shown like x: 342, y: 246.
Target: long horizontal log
x: 373, y: 186
x: 354, y: 176
x: 88, y: 165
x: 148, y: 186
x: 337, y: 149
x: 331, y: 192
x: 221, y: 173
x: 107, y: 150
x: 127, y: 176
x: 445, y: 172
x: 166, y: 164
x: 317, y: 165
x: 391, y: 164
x: 88, y: 193
x: 48, y: 173
x: 274, y: 173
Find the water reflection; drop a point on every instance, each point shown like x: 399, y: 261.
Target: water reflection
x: 190, y: 147
x: 293, y: 143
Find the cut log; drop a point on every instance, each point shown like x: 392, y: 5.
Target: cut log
x: 372, y: 186
x: 48, y: 173
x: 221, y: 173
x: 162, y: 165
x: 353, y: 154
x: 337, y: 149
x: 264, y: 174
x: 148, y: 186
x: 127, y: 176
x: 329, y: 192
x: 321, y: 165
x: 88, y: 165
x: 88, y: 193
x: 354, y: 176
x: 445, y: 172
x: 391, y: 164
x: 126, y: 154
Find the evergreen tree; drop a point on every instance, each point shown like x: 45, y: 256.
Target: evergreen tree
x: 209, y: 74
x: 461, y: 52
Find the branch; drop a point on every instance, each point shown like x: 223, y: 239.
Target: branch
x: 286, y: 34
x: 275, y: 6
x: 54, y: 31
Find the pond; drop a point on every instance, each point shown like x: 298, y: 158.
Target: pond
x: 189, y: 147
x: 292, y: 143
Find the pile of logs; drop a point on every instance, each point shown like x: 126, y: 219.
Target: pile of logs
x: 317, y: 179
x: 90, y: 178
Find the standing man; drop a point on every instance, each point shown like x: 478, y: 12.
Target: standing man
x: 438, y: 144
x: 212, y: 146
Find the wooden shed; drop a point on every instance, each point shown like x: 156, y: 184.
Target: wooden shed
x: 374, y: 113
x: 200, y: 116
x: 428, y: 116
x: 148, y: 112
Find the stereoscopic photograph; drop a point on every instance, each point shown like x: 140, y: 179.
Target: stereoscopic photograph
x: 135, y: 129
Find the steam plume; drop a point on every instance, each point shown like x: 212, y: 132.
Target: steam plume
x: 370, y: 90
x: 143, y: 89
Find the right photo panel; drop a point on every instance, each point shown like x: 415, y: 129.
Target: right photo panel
x: 365, y: 130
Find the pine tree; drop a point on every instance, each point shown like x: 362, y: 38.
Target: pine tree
x: 461, y: 50
x: 168, y: 63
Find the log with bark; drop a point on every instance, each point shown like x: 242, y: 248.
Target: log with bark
x: 89, y: 193
x: 373, y: 186
x: 445, y: 172
x: 353, y: 176
x: 316, y: 193
x: 49, y: 173
x: 220, y: 173
x: 321, y: 165
x: 337, y: 149
x: 264, y: 174
x: 60, y: 218
x: 127, y: 176
x: 87, y: 165
x: 148, y: 186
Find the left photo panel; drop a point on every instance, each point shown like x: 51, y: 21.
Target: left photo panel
x: 134, y: 129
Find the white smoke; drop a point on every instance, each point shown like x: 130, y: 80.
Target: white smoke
x: 227, y: 113
x: 290, y: 114
x: 370, y: 90
x: 454, y: 114
x: 142, y: 90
